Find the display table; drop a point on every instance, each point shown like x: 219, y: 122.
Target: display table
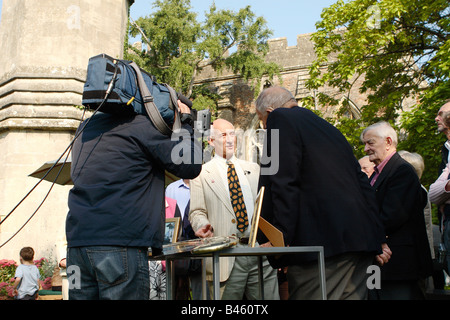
x: 239, y: 251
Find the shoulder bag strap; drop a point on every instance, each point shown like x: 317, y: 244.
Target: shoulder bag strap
x: 174, y: 98
x: 152, y: 110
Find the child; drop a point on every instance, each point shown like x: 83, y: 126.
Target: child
x: 27, y: 276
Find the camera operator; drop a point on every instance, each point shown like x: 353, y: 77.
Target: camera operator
x: 116, y: 206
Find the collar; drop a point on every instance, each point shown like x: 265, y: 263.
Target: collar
x: 382, y: 164
x: 447, y: 144
x: 182, y: 184
x: 223, y: 160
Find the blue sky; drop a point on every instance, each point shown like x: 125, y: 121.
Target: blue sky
x: 286, y: 18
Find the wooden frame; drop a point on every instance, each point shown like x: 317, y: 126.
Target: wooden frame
x: 255, y: 218
x: 274, y: 235
x: 172, y: 230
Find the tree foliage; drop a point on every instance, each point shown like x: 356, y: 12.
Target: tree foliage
x: 396, y: 49
x: 178, y: 46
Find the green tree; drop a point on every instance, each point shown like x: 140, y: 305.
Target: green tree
x: 178, y: 47
x: 396, y: 49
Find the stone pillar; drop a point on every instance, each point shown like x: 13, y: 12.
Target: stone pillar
x: 45, y: 46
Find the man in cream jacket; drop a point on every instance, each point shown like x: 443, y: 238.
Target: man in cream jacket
x: 212, y: 214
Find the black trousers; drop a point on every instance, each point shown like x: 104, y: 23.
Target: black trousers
x: 398, y: 290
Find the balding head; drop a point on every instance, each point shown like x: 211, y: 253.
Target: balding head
x: 222, y: 125
x: 223, y: 138
x: 273, y: 98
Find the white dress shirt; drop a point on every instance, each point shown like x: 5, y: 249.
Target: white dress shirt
x: 222, y: 166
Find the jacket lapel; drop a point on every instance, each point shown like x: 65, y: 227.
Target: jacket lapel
x: 251, y: 176
x: 214, y: 181
x: 386, y: 170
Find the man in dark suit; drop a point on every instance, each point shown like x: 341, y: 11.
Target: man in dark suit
x: 318, y: 197
x: 401, y: 200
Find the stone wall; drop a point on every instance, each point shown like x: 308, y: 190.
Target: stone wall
x: 238, y: 103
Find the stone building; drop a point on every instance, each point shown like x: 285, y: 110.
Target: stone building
x: 238, y: 103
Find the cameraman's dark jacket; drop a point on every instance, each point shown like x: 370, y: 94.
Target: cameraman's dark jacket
x: 118, y: 166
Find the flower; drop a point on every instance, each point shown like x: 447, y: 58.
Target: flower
x: 8, y: 270
x: 6, y: 290
x: 46, y: 284
x: 40, y: 262
x: 7, y: 263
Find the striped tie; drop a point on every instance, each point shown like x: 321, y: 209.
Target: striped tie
x: 237, y: 199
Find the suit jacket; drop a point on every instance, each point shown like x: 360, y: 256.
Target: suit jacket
x: 211, y: 204
x: 186, y: 229
x: 402, y: 200
x: 319, y: 196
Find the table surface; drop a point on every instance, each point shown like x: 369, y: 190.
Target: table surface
x: 242, y: 251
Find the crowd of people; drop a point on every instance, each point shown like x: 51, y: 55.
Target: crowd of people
x: 371, y: 212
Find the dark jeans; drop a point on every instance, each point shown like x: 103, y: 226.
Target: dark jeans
x: 108, y: 272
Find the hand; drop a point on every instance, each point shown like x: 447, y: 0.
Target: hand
x: 183, y: 108
x: 447, y: 186
x: 266, y: 245
x: 205, y: 232
x: 385, y: 256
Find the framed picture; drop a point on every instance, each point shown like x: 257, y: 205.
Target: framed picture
x: 274, y: 235
x: 255, y: 218
x: 172, y: 230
